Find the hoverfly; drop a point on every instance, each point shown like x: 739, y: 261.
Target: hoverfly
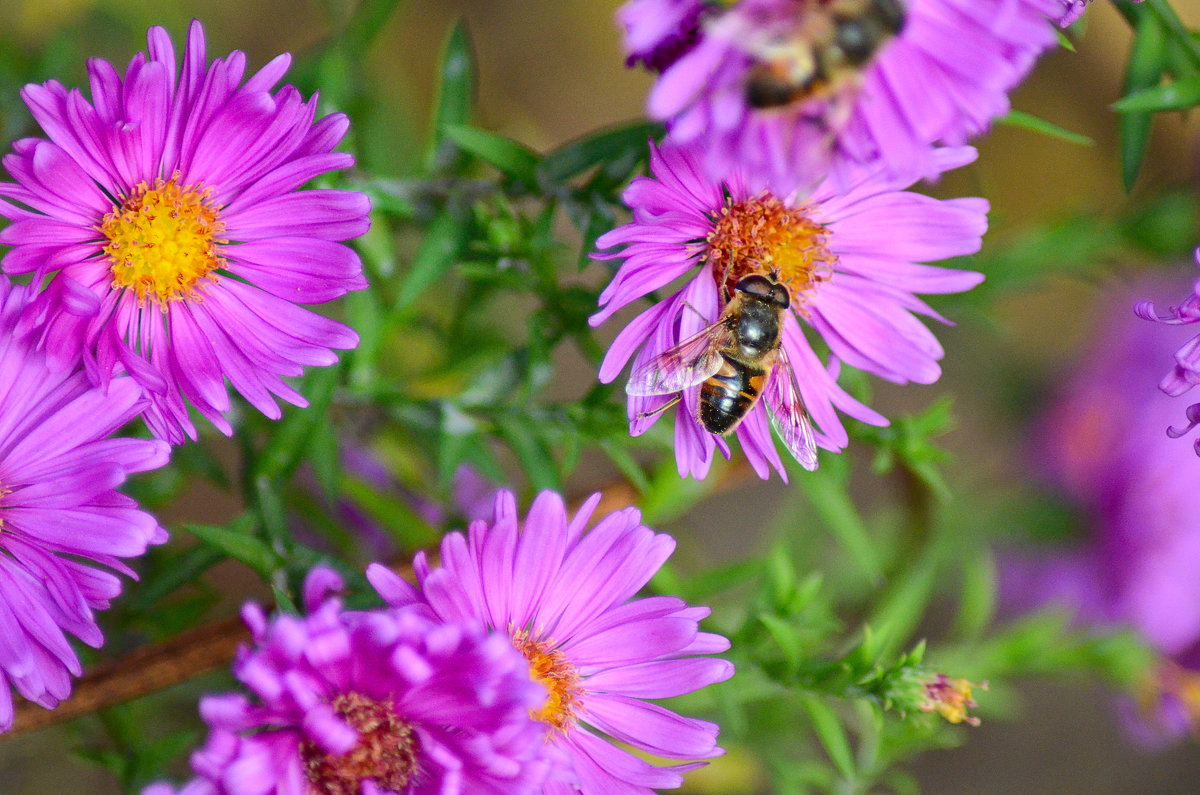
x: 825, y: 51
x: 737, y: 360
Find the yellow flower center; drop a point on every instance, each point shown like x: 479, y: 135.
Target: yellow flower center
x: 763, y: 236
x: 549, y: 667
x: 162, y: 240
x: 951, y: 698
x: 386, y: 752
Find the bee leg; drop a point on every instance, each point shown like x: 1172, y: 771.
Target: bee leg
x: 669, y: 404
x: 698, y: 312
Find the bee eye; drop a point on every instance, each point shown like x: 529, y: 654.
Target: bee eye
x: 854, y: 40
x: 780, y: 296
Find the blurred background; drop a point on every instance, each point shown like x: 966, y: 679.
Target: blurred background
x: 551, y: 70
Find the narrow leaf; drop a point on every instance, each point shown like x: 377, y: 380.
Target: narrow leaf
x: 509, y: 157
x: 826, y: 492
x: 1146, y: 64
x: 455, y: 93
x: 1176, y: 95
x: 1019, y: 118
x: 439, y: 250
x: 578, y: 156
x: 237, y: 542
x: 832, y: 734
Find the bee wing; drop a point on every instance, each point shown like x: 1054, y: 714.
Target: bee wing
x: 788, y: 415
x: 687, y: 364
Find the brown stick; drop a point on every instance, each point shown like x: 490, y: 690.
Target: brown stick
x: 140, y: 672
x: 146, y: 670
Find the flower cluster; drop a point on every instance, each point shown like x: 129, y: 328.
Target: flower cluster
x: 501, y: 671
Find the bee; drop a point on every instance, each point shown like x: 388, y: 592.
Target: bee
x: 735, y: 361
x: 822, y: 52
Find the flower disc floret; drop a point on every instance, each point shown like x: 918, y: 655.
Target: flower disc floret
x: 386, y: 753
x: 162, y: 241
x: 763, y: 236
x: 549, y: 667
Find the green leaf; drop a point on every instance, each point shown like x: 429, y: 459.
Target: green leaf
x: 977, y: 601
x: 1176, y: 95
x: 168, y: 575
x: 1145, y: 69
x: 829, y: 730
x: 290, y: 436
x: 455, y: 94
x: 624, y: 461
x: 786, y: 637
x: 903, y: 604
x: 535, y: 457
x: 826, y: 492
x: 366, y: 23
x: 578, y: 156
x: 508, y: 156
x: 442, y: 246
x: 391, y: 513
x: 1019, y: 118
x: 237, y: 542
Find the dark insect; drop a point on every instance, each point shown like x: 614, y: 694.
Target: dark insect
x: 736, y: 361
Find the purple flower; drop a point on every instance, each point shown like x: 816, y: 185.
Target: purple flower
x: 1073, y: 10
x: 167, y: 210
x: 1186, y: 372
x: 658, y: 32
x: 1102, y: 443
x: 941, y: 78
x: 562, y: 597
x: 847, y: 256
x: 59, y: 511
x: 378, y: 702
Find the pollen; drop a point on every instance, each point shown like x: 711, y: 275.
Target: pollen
x: 951, y: 698
x: 550, y: 667
x: 765, y: 237
x: 386, y: 752
x: 163, y: 240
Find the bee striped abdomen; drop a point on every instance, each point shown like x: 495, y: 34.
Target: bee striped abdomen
x: 727, y: 396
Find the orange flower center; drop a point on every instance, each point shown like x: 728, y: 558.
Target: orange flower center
x: 162, y: 240
x: 763, y: 236
x: 549, y: 667
x: 386, y: 752
x: 951, y: 698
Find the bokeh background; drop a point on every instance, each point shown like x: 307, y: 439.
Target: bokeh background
x: 550, y: 70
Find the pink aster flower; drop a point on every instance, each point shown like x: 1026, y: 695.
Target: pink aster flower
x: 759, y: 93
x: 61, y: 519
x: 658, y: 32
x: 1186, y: 372
x: 379, y: 702
x: 847, y: 256
x: 1101, y: 442
x: 562, y: 597
x: 167, y: 209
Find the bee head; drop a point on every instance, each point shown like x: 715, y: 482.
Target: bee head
x: 767, y: 289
